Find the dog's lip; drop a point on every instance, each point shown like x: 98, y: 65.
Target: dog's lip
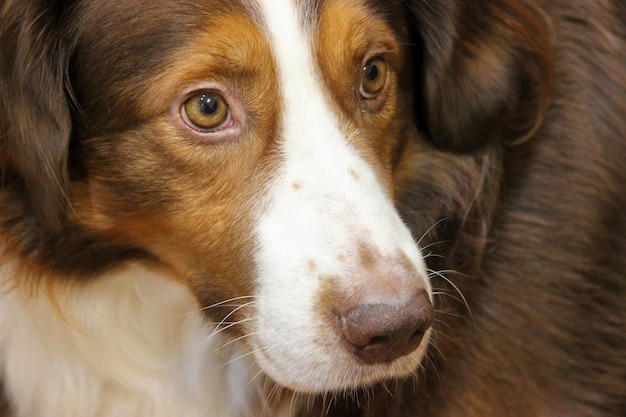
x: 360, y: 375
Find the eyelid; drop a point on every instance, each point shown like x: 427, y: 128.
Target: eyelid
x: 377, y: 100
x: 388, y: 53
x: 232, y: 131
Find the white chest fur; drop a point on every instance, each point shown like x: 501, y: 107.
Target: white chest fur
x: 132, y: 343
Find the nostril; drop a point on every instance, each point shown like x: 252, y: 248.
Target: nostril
x: 382, y: 332
x: 378, y: 340
x: 417, y: 335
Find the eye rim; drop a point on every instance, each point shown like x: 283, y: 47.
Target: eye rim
x: 227, y: 133
x: 222, y: 123
x: 382, y: 87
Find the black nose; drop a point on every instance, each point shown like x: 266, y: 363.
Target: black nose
x: 382, y: 332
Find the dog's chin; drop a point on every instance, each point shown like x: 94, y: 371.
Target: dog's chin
x: 332, y: 369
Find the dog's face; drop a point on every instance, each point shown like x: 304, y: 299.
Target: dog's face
x: 255, y: 149
x: 254, y: 156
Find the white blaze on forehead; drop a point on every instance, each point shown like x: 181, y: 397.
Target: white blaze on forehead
x: 316, y: 150
x: 318, y: 213
x: 292, y: 53
x: 311, y: 137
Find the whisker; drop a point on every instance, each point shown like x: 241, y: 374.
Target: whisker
x: 243, y: 355
x: 432, y: 364
x: 238, y: 339
x: 434, y: 346
x: 294, y: 399
x: 275, y: 392
x: 430, y: 245
x: 444, y: 293
x: 266, y: 396
x: 223, y: 303
x: 430, y: 229
x: 384, y: 384
x: 453, y: 285
x: 217, y: 327
x: 255, y: 376
x: 443, y: 323
x: 330, y: 403
x: 433, y: 255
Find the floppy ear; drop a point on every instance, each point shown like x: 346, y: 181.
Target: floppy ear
x: 35, y: 121
x: 485, y: 70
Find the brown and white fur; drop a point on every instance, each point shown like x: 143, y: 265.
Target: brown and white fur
x: 288, y: 260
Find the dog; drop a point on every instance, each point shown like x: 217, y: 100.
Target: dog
x: 304, y: 208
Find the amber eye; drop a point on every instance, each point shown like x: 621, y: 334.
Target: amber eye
x: 374, y: 78
x: 206, y: 111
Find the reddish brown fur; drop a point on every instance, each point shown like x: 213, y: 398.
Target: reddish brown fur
x: 511, y: 173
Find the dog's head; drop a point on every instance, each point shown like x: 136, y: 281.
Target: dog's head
x: 255, y: 148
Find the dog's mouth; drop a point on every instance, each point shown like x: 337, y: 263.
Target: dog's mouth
x: 341, y: 368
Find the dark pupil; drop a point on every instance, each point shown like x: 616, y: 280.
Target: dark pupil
x: 208, y: 103
x: 371, y: 71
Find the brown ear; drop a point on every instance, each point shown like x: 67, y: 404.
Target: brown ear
x: 485, y: 70
x: 35, y: 121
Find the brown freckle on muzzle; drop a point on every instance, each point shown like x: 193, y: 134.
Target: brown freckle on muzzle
x: 367, y: 255
x: 354, y: 173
